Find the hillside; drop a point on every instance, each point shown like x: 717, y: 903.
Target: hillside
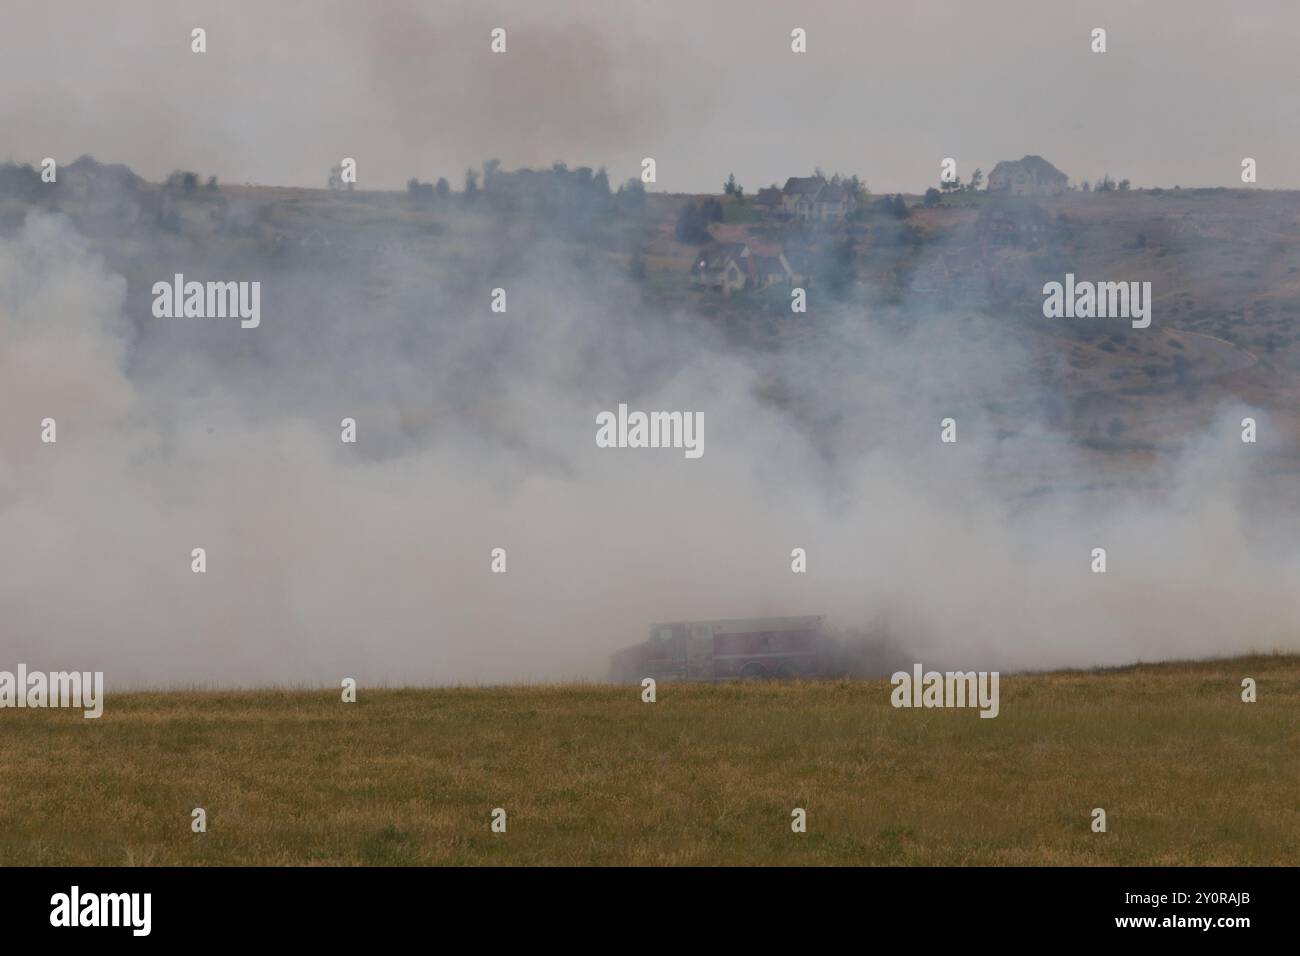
x: 1224, y: 268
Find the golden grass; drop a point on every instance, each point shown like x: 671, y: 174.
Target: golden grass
x: 1187, y: 773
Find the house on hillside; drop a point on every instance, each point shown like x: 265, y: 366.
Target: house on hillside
x: 813, y: 199
x: 723, y: 265
x: 768, y: 201
x: 833, y: 203
x: 799, y: 195
x: 1030, y: 176
x: 733, y: 266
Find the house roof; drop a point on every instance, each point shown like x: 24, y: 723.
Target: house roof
x: 832, y: 192
x: 1038, y: 167
x: 803, y: 185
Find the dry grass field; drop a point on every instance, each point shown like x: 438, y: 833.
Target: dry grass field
x: 1187, y: 773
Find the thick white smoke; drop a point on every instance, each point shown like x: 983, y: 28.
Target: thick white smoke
x: 477, y: 431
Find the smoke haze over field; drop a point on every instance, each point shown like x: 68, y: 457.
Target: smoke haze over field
x: 476, y: 430
x: 289, y: 87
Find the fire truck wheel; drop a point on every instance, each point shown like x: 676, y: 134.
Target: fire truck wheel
x: 754, y: 671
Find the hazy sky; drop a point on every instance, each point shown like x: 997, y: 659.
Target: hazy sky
x: 886, y: 89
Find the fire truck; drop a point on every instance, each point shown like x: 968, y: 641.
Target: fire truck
x: 734, y: 649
